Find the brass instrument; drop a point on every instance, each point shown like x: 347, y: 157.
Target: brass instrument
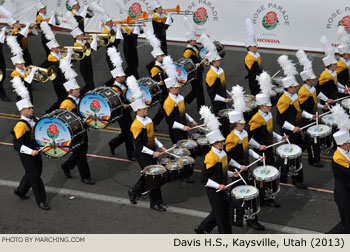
x: 177, y: 11
x: 1, y: 75
x: 105, y: 38
x: 43, y: 74
x: 130, y: 20
x: 79, y: 52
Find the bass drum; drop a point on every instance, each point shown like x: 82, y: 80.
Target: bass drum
x: 100, y: 107
x: 219, y: 47
x: 59, y: 132
x: 186, y: 70
x: 151, y: 92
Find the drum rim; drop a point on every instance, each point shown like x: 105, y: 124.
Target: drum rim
x: 324, y: 134
x: 183, y: 149
x: 328, y: 122
x: 187, y: 163
x: 267, y: 179
x: 178, y: 168
x: 248, y: 197
x: 298, y: 154
x: 221, y: 112
x: 187, y: 140
x: 162, y: 168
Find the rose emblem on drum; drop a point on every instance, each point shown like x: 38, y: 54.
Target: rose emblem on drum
x: 95, y: 106
x: 53, y: 132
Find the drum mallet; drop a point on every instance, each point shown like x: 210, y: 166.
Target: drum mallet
x: 44, y: 147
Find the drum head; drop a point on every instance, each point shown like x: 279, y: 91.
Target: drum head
x: 319, y: 130
x: 249, y: 98
x: 96, y: 109
x: 53, y: 131
x: 165, y: 161
x: 181, y: 152
x: 185, y: 160
x: 146, y: 95
x: 203, y: 141
x: 154, y: 170
x: 244, y: 192
x: 195, y: 136
x: 182, y: 75
x: 224, y: 112
x: 288, y: 151
x: 187, y: 144
x: 173, y: 165
x: 328, y: 119
x: 267, y: 173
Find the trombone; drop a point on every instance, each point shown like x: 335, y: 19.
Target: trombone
x: 176, y: 11
x: 79, y: 52
x: 104, y: 38
x: 129, y: 20
x: 43, y: 74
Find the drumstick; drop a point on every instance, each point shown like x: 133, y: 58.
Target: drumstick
x: 198, y: 126
x: 234, y: 182
x: 202, y: 61
x: 306, y: 126
x: 44, y: 147
x: 171, y: 154
x: 286, y: 138
x: 271, y: 145
x: 174, y: 146
x: 339, y: 99
x: 253, y: 162
x: 239, y: 174
x: 316, y: 118
x: 276, y: 73
x: 264, y: 160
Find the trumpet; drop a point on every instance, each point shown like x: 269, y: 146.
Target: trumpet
x: 177, y: 11
x: 130, y: 20
x: 104, y: 38
x: 43, y: 74
x: 80, y: 52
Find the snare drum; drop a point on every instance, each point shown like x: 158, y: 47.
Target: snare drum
x: 203, y: 146
x: 268, y: 178
x: 291, y: 153
x: 100, y: 107
x: 175, y: 170
x: 186, y: 70
x: 151, y: 91
x: 62, y: 130
x: 155, y: 176
x: 250, y: 196
x: 346, y: 104
x: 190, y: 145
x: 188, y: 165
x: 322, y: 135
x: 219, y: 47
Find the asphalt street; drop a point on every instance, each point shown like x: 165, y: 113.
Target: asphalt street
x: 104, y: 207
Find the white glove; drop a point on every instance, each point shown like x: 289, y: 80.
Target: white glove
x: 35, y: 32
x: 94, y: 42
x: 169, y: 20
x: 2, y: 35
x: 25, y: 30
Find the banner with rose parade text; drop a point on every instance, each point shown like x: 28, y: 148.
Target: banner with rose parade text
x: 279, y: 24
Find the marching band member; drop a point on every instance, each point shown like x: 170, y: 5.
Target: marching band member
x: 161, y: 23
x: 24, y: 143
x: 176, y: 116
x: 328, y: 81
x: 3, y: 95
x: 125, y: 120
x: 85, y: 65
x: 19, y: 63
x: 108, y: 29
x: 238, y: 152
x: 158, y: 74
x: 214, y: 177
x: 252, y: 60
x: 79, y: 14
x: 42, y: 16
x: 192, y: 52
x: 341, y: 171
x: 145, y: 144
x: 308, y: 102
x: 78, y: 157
x: 344, y: 60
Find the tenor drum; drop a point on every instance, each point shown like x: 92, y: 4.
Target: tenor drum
x: 151, y: 91
x: 188, y: 165
x: 165, y: 161
x: 100, y: 107
x: 190, y: 145
x: 186, y: 70
x: 155, y: 176
x: 175, y: 170
x: 250, y: 197
x: 267, y: 178
x: 291, y: 154
x: 195, y: 136
x: 60, y: 131
x: 219, y: 47
x: 181, y: 152
x: 203, y: 146
x: 322, y: 135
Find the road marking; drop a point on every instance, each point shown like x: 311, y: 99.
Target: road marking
x: 195, y: 170
x: 143, y: 204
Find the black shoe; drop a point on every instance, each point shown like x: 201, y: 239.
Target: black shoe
x: 66, y: 172
x: 44, y: 206
x: 198, y: 231
x: 272, y: 203
x: 256, y: 226
x: 88, y: 181
x: 132, y: 197
x: 111, y: 148
x: 300, y: 185
x: 5, y: 99
x: 317, y: 164
x: 158, y: 207
x: 21, y: 196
